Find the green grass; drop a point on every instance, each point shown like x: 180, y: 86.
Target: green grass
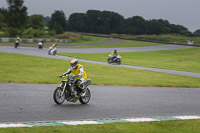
x: 75, y: 40
x: 92, y: 39
x: 124, y: 43
x: 181, y: 59
x: 179, y: 126
x: 165, y: 38
x: 87, y: 39
x: 27, y: 43
x: 29, y: 69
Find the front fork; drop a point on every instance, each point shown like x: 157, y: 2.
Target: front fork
x: 64, y: 87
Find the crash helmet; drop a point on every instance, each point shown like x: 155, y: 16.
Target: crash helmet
x: 74, y: 63
x: 115, y: 51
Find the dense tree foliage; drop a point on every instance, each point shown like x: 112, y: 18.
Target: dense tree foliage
x: 36, y: 22
x: 15, y: 21
x: 58, y: 22
x: 95, y: 21
x: 16, y: 16
x: 135, y: 25
x: 106, y: 22
x: 46, y: 20
x: 1, y: 21
x: 76, y: 22
x: 197, y: 32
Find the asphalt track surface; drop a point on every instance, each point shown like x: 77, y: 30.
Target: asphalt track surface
x: 34, y: 102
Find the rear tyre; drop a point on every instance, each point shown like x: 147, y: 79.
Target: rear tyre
x: 109, y: 60
x: 58, y: 97
x: 86, y: 98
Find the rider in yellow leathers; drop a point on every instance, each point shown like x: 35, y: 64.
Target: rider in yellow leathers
x: 79, y: 73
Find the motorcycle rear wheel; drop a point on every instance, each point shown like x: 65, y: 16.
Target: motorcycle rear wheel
x: 58, y: 97
x: 85, y: 99
x: 109, y: 60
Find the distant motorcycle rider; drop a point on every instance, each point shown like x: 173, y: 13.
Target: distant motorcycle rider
x: 53, y: 46
x: 53, y: 49
x: 79, y: 73
x: 17, y: 42
x: 113, y: 55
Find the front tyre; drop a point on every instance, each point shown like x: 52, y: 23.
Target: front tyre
x: 86, y: 98
x: 58, y: 97
x: 118, y: 61
x: 54, y: 53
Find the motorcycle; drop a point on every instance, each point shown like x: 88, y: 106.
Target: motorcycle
x: 40, y: 45
x: 16, y: 43
x: 52, y: 51
x: 69, y: 90
x: 117, y: 59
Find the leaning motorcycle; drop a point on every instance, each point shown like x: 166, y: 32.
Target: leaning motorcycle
x: 116, y: 60
x: 52, y: 51
x: 16, y: 44
x: 69, y: 90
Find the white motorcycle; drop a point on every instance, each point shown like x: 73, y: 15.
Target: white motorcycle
x: 52, y: 51
x: 116, y: 59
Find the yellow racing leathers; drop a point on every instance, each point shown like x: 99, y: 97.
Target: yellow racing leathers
x: 81, y: 77
x: 79, y: 72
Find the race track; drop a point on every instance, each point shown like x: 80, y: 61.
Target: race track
x: 34, y: 102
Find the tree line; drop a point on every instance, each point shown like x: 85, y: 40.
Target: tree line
x: 14, y: 20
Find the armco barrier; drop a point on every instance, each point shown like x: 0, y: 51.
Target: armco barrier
x: 35, y: 40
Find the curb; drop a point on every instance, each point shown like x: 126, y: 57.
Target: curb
x: 100, y: 121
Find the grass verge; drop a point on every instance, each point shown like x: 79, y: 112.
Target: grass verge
x: 165, y: 38
x: 181, y: 59
x: 124, y: 43
x: 29, y: 69
x: 75, y: 40
x: 178, y: 126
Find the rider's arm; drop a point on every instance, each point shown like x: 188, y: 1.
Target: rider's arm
x: 80, y: 72
x: 111, y: 54
x: 68, y: 72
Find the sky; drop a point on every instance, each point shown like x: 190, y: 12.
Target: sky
x: 183, y: 12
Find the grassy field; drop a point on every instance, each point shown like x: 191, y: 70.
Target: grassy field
x: 124, y: 43
x: 165, y: 38
x: 29, y: 69
x: 178, y: 126
x: 75, y: 40
x: 180, y: 59
x: 88, y: 39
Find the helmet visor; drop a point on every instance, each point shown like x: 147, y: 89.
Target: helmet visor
x: 73, y: 65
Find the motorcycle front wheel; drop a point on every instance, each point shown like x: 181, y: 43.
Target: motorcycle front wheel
x: 54, y: 53
x: 118, y: 61
x: 58, y: 97
x: 85, y: 99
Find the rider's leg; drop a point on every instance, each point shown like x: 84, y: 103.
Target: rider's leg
x: 114, y: 58
x: 82, y: 85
